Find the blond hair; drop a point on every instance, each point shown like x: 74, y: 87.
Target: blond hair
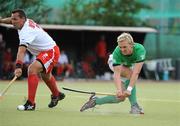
x: 127, y: 37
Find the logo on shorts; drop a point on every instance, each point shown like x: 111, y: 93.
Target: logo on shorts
x: 44, y: 56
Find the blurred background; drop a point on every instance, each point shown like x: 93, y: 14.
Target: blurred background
x: 87, y: 29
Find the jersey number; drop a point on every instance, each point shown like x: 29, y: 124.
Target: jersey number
x: 32, y: 24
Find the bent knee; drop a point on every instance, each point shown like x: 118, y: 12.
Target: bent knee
x: 35, y: 68
x: 126, y: 72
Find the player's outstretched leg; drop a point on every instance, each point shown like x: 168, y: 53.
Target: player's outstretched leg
x: 93, y: 101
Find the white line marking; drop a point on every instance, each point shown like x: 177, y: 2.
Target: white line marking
x: 158, y: 100
x: 87, y: 96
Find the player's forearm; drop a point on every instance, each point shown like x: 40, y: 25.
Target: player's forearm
x: 21, y: 54
x: 117, y: 79
x: 6, y: 20
x: 117, y: 82
x: 135, y: 74
x: 20, y: 57
x: 132, y: 82
x: 133, y: 79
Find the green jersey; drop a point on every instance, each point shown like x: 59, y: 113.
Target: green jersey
x: 138, y: 55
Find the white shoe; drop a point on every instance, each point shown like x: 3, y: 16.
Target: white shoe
x: 136, y: 109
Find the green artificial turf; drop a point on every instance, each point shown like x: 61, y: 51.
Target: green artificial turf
x: 160, y: 100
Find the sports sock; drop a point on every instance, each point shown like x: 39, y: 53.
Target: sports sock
x: 113, y: 99
x: 52, y: 86
x: 132, y: 98
x: 32, y: 87
x: 107, y: 100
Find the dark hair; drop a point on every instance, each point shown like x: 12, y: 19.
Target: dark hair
x: 20, y: 12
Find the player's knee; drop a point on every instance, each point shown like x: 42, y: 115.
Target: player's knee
x: 123, y: 99
x: 46, y: 77
x: 33, y: 70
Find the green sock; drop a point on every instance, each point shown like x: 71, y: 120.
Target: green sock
x: 113, y: 99
x: 132, y: 98
x: 107, y: 100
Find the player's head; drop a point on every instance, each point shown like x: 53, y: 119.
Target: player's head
x: 18, y: 18
x: 125, y: 43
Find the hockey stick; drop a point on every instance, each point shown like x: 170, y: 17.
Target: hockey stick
x: 88, y: 92
x: 8, y: 86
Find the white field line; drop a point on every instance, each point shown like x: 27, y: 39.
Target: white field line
x: 83, y: 96
x: 158, y: 100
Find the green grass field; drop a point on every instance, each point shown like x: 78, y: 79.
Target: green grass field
x: 160, y: 100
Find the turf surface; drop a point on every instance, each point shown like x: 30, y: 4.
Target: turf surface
x: 161, y: 103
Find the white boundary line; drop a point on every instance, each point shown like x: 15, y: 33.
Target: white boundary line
x: 82, y: 96
x: 158, y: 100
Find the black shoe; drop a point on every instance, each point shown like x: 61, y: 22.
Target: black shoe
x: 55, y: 99
x: 28, y: 106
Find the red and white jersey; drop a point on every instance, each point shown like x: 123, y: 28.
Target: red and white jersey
x: 35, y: 38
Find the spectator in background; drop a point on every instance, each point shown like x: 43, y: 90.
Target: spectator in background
x: 88, y: 64
x: 8, y: 65
x: 27, y: 62
x: 101, y: 53
x: 2, y: 49
x: 33, y: 58
x: 63, y: 67
x: 27, y: 58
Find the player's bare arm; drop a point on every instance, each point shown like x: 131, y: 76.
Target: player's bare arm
x: 134, y: 77
x: 19, y: 60
x: 117, y: 80
x: 6, y: 20
x: 21, y: 53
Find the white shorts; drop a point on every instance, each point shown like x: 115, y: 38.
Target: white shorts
x: 110, y: 62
